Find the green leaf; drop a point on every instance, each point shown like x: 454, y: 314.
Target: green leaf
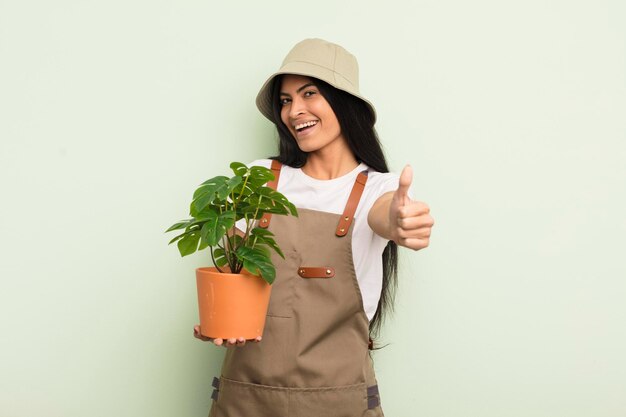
x: 177, y: 238
x: 206, y: 193
x: 272, y: 195
x: 292, y: 209
x: 239, y: 169
x: 278, y: 199
x: 220, y: 257
x: 207, y: 213
x: 224, y: 190
x: 242, y: 191
x: 264, y: 237
x: 244, y: 208
x: 180, y: 225
x: 253, y: 178
x: 220, y: 179
x: 265, y: 270
x: 260, y: 232
x: 257, y: 262
x: 216, y: 226
x: 260, y: 175
x: 189, y: 244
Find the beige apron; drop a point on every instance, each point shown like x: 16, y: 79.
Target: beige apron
x: 313, y: 360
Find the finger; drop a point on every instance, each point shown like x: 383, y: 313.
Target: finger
x: 413, y: 208
x: 402, y: 193
x: 421, y: 233
x: 258, y: 339
x: 198, y: 335
x: 414, y: 243
x: 418, y: 222
x: 232, y: 341
x: 241, y: 341
x: 218, y: 342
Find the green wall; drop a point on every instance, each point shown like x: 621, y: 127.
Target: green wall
x: 511, y: 113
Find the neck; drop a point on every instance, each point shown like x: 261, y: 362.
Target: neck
x: 326, y: 166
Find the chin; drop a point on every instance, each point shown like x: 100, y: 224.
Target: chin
x: 304, y: 147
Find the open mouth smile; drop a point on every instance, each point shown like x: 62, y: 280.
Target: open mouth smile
x: 306, y: 126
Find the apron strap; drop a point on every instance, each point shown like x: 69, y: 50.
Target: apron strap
x: 267, y: 217
x: 353, y: 202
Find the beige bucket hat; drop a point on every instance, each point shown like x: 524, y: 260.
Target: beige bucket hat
x: 319, y: 59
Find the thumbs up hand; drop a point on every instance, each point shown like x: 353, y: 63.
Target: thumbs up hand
x: 409, y: 221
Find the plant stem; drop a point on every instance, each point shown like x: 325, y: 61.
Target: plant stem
x: 229, y: 253
x: 213, y: 259
x: 257, y: 207
x: 245, y: 181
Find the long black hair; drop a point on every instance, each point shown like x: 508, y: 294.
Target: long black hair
x: 357, y: 127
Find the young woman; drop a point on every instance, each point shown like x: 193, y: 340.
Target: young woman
x: 339, y: 273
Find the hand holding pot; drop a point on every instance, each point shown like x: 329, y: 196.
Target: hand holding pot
x: 222, y: 342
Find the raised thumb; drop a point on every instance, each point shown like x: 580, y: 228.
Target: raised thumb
x: 406, y: 177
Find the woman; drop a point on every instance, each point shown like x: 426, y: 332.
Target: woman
x: 337, y: 279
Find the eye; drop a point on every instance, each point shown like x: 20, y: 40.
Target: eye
x: 284, y: 101
x: 309, y: 93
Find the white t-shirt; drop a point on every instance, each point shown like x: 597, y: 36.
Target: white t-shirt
x: 331, y: 196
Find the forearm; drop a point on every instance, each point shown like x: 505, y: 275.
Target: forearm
x: 378, y: 216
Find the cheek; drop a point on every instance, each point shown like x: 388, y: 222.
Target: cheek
x: 332, y: 122
x: 325, y: 112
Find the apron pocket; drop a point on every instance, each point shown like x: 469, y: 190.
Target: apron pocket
x: 242, y: 399
x: 343, y: 401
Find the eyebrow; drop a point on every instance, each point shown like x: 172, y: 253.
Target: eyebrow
x: 299, y: 89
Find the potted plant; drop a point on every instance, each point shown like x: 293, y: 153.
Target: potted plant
x: 233, y: 295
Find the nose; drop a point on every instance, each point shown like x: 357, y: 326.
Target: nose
x: 297, y: 107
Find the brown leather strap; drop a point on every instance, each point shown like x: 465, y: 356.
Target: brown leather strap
x: 267, y: 217
x: 316, y: 272
x: 353, y: 202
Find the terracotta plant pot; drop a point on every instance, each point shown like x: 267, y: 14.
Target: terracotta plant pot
x: 231, y: 305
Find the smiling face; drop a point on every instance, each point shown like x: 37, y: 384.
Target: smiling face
x: 307, y: 114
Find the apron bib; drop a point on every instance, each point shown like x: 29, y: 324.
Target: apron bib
x: 313, y: 360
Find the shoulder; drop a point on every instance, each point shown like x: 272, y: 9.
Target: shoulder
x: 381, y: 182
x: 378, y: 184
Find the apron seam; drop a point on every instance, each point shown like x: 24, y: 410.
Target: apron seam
x: 349, y: 387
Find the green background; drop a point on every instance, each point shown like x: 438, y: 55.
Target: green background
x: 512, y: 115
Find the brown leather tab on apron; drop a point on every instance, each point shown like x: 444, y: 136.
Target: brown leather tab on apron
x: 267, y: 217
x: 216, y: 385
x: 373, y: 399
x: 353, y: 202
x: 316, y: 272
x: 372, y: 402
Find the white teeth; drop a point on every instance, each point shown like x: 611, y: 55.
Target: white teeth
x: 305, y: 124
